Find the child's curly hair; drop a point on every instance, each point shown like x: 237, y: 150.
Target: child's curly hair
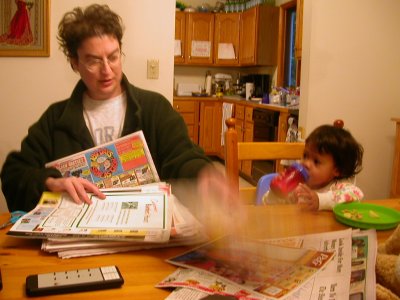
x: 347, y: 153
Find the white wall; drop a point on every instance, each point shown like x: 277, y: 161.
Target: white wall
x: 350, y: 70
x: 29, y: 85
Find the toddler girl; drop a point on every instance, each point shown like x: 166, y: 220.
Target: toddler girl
x: 332, y: 158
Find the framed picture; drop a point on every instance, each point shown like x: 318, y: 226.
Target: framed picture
x: 24, y: 27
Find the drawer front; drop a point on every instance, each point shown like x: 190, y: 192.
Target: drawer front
x: 248, y: 114
x: 239, y: 112
x: 184, y: 106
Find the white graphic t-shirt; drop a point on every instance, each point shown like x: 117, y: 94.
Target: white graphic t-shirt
x: 104, y: 118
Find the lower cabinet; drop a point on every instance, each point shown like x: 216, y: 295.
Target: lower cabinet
x: 189, y: 111
x: 203, y: 117
x: 211, y: 127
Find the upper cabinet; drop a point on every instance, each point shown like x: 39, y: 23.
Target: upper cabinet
x: 226, y: 38
x: 249, y: 38
x: 299, y: 29
x: 259, y: 36
x: 200, y: 37
x: 180, y: 36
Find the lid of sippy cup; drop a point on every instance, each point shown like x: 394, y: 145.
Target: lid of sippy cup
x: 302, y: 170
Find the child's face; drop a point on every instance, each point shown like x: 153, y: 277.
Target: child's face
x: 321, y: 167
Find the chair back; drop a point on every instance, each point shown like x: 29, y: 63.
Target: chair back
x: 236, y: 152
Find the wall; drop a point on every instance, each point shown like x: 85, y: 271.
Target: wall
x: 29, y: 85
x: 350, y: 70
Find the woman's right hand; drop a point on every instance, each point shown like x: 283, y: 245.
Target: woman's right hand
x: 76, y: 187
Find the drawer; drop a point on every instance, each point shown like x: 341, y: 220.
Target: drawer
x: 239, y: 112
x: 185, y: 106
x: 248, y: 114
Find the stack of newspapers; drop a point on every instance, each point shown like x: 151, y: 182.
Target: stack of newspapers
x: 139, y: 211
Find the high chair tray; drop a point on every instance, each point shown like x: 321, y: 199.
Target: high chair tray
x: 366, y: 215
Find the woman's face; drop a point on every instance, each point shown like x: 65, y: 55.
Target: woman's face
x: 321, y: 167
x: 99, y: 65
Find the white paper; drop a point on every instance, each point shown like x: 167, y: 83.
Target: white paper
x: 226, y: 51
x: 201, y: 48
x: 178, y: 48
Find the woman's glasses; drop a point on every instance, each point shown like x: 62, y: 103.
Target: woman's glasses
x: 95, y: 64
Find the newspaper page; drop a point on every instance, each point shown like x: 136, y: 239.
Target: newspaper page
x: 124, y: 162
x: 363, y: 258
x: 271, y: 271
x: 137, y: 214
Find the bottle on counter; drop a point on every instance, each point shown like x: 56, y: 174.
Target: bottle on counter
x: 288, y: 180
x: 208, y: 83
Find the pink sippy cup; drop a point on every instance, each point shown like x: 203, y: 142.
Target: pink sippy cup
x: 289, y: 179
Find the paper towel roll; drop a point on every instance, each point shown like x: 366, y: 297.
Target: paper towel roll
x: 208, y: 85
x: 249, y: 90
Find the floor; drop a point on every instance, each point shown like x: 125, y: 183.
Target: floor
x: 242, y: 181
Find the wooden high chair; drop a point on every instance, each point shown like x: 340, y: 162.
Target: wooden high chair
x: 236, y: 152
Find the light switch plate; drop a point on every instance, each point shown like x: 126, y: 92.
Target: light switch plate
x: 152, y: 68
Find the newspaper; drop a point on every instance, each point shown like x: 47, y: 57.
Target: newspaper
x: 363, y: 258
x: 271, y: 271
x: 346, y: 276
x: 124, y: 162
x: 185, y: 230
x: 141, y: 213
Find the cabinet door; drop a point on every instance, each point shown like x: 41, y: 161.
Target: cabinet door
x: 200, y: 37
x: 211, y: 127
x: 259, y: 36
x: 248, y: 36
x: 189, y: 111
x: 226, y: 32
x: 180, y: 32
x: 248, y: 137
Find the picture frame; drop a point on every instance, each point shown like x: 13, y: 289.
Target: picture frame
x: 24, y: 28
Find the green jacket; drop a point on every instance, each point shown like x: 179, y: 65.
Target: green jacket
x: 62, y: 131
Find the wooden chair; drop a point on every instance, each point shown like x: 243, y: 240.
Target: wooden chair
x: 236, y: 152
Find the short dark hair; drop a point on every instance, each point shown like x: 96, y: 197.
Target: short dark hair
x: 347, y: 153
x: 78, y: 25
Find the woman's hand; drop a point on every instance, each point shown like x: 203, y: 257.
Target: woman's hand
x: 76, y: 187
x: 306, y: 197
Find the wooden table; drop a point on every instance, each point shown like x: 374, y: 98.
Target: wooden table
x: 143, y: 269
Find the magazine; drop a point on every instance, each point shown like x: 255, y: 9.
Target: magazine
x: 142, y: 213
x: 272, y: 271
x: 124, y: 162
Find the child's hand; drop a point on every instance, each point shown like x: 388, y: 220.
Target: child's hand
x: 306, y: 197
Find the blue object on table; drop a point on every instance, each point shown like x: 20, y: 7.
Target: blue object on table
x: 263, y: 186
x: 15, y: 215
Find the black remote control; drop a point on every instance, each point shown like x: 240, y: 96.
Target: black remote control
x: 74, y: 281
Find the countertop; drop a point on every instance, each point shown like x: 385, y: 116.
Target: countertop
x: 240, y: 100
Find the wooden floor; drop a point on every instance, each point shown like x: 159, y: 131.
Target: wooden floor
x: 242, y: 181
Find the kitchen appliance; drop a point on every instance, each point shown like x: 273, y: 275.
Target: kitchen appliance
x: 186, y: 89
x: 261, y: 84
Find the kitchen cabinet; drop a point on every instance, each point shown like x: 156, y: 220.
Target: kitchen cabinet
x: 199, y: 38
x: 299, y: 29
x: 259, y: 36
x: 180, y: 35
x: 211, y: 127
x: 226, y: 32
x: 253, y: 34
x: 189, y: 111
x: 244, y: 126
